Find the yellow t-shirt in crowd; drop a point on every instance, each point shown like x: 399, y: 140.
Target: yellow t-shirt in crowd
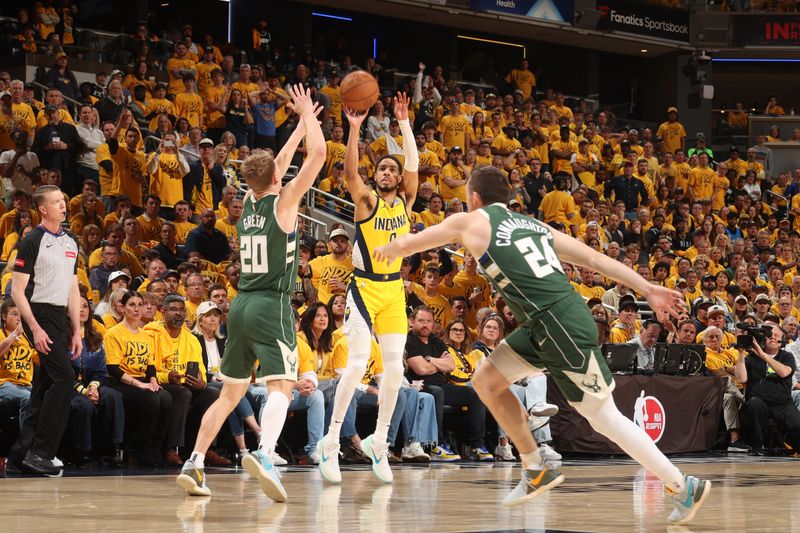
x: 672, y: 133
x: 133, y: 352
x: 701, y: 183
x: 167, y: 180
x: 334, y: 94
x: 446, y: 191
x: 454, y: 131
x: 325, y: 268
x: 556, y: 206
x: 174, y: 353
x: 437, y: 303
x: 16, y: 365
x: 129, y: 171
x: 190, y: 107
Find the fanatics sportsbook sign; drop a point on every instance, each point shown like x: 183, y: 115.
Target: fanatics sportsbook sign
x: 644, y: 19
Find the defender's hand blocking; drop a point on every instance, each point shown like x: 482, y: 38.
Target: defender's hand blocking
x: 301, y: 100
x: 665, y: 303
x: 401, y: 102
x: 385, y: 253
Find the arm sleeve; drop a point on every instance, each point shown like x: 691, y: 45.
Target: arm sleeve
x: 410, y: 152
x: 115, y: 372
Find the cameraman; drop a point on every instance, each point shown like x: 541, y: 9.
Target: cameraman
x: 720, y: 361
x: 767, y: 373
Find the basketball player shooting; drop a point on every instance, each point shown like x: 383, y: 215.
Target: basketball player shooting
x: 522, y: 257
x: 376, y: 296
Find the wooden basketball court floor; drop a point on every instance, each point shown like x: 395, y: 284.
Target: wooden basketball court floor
x: 599, y: 495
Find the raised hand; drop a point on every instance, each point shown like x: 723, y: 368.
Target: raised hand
x: 355, y: 118
x: 401, y: 106
x: 301, y: 100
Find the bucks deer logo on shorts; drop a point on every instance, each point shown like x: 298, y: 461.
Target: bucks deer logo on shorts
x: 591, y: 383
x: 346, y: 313
x: 292, y: 360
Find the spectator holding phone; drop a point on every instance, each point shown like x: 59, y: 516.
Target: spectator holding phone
x: 181, y: 372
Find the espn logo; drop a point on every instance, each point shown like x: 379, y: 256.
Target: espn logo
x: 19, y: 262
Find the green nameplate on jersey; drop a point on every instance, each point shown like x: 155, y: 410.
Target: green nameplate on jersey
x: 268, y: 254
x: 521, y: 262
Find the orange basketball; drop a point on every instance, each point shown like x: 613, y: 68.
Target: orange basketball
x: 359, y: 91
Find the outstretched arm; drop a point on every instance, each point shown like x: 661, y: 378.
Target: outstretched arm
x: 284, y: 158
x: 471, y: 229
x: 662, y: 300
x: 355, y: 186
x: 410, y: 153
x: 290, y: 195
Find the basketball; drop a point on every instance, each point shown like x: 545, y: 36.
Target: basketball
x: 359, y: 91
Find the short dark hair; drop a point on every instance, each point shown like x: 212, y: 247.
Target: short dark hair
x: 421, y: 309
x: 491, y: 184
x: 172, y: 298
x: 128, y: 295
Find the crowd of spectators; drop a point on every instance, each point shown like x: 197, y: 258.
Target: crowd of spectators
x: 150, y: 172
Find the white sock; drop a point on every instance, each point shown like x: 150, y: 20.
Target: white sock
x: 358, y: 344
x: 606, y: 419
x: 392, y: 349
x: 273, y: 415
x: 197, y: 458
x: 531, y: 459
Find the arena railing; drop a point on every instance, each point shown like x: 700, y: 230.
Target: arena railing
x: 331, y: 203
x: 67, y: 98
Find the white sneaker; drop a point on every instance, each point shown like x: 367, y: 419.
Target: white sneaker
x: 502, y: 452
x: 413, y: 453
x: 544, y: 409
x: 277, y: 460
x: 535, y: 422
x: 58, y: 463
x: 378, y: 453
x: 313, y: 457
x: 328, y: 450
x: 260, y: 466
x: 548, y: 453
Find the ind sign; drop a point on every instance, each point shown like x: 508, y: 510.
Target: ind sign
x: 773, y: 30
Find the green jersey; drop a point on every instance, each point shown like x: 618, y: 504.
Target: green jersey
x: 268, y: 254
x: 521, y: 263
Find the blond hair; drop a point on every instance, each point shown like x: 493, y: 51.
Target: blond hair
x: 259, y: 170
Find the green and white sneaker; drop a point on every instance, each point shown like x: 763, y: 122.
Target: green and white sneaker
x: 532, y: 484
x: 193, y: 480
x: 689, y: 500
x: 378, y: 453
x: 259, y: 465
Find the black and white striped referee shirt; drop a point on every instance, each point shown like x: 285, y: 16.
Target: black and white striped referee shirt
x: 51, y: 260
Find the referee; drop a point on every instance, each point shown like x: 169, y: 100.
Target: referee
x: 44, y: 287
